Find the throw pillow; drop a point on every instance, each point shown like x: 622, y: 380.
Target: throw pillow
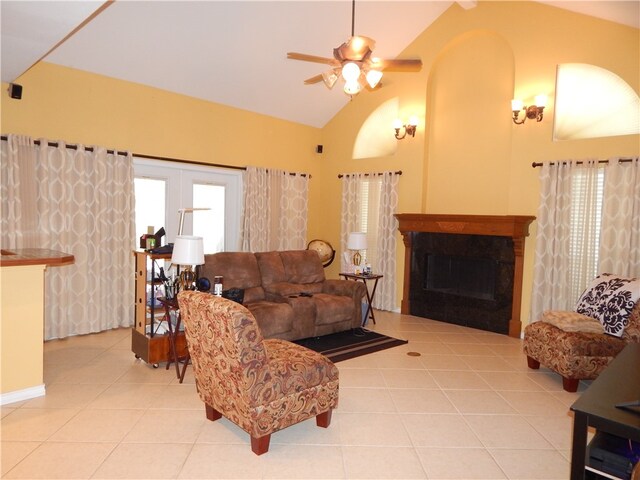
x: 610, y: 299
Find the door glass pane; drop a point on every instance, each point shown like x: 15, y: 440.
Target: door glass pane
x: 150, y: 204
x: 209, y: 224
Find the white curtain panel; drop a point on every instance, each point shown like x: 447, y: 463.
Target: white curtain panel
x: 566, y: 235
x: 82, y: 203
x: 275, y: 210
x: 385, y: 298
x: 378, y: 195
x: 350, y: 217
x: 620, y: 235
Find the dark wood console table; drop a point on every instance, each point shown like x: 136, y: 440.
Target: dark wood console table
x: 620, y: 382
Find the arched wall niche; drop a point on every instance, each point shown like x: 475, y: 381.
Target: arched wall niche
x: 468, y: 146
x: 375, y: 137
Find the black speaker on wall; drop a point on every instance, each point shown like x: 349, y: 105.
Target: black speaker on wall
x: 15, y: 91
x: 318, y: 148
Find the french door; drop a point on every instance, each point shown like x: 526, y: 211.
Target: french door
x: 163, y: 188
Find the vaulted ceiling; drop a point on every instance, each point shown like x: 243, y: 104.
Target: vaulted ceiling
x: 228, y: 52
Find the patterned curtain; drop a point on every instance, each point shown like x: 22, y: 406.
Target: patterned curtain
x: 79, y: 202
x: 351, y: 213
x: 566, y: 241
x: 620, y: 235
x: 386, y: 243
x: 275, y: 210
x: 369, y: 202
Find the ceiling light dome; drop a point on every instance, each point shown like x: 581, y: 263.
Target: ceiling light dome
x: 352, y: 87
x: 350, y: 72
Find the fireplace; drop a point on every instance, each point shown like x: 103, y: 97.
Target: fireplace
x: 459, y: 275
x: 465, y: 269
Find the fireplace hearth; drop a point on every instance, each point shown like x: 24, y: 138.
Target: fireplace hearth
x: 465, y: 269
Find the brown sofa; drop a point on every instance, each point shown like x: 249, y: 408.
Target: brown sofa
x: 272, y: 284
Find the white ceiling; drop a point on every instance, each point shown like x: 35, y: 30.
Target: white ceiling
x: 228, y: 52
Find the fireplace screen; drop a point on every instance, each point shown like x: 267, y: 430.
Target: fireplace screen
x: 459, y: 275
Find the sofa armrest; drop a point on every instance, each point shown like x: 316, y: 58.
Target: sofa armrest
x: 348, y: 288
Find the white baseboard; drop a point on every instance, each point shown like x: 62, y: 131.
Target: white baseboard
x: 21, y: 395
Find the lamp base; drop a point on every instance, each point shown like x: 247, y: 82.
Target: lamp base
x: 357, y: 258
x: 187, y: 279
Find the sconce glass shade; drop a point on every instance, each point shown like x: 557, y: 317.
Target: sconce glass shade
x: 188, y: 250
x: 350, y: 72
x: 397, y: 124
x: 516, y: 105
x: 413, y: 121
x: 541, y: 100
x: 373, y: 77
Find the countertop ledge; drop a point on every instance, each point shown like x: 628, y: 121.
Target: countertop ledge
x: 33, y: 256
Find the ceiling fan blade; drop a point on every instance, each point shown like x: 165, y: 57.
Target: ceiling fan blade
x: 400, y: 65
x: 310, y: 58
x: 314, y: 79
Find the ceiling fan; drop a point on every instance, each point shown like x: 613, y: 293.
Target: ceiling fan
x: 353, y: 61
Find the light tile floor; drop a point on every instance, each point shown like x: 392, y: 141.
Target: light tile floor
x: 467, y: 408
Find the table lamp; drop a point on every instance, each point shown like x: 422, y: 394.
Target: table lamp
x: 187, y: 251
x: 357, y: 241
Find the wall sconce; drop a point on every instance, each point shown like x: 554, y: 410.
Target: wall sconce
x: 409, y: 128
x: 531, y: 112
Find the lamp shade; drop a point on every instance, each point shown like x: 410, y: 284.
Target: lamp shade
x: 188, y: 250
x: 357, y: 241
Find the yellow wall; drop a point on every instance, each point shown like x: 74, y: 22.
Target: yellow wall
x: 80, y: 107
x: 468, y: 159
x: 21, y: 327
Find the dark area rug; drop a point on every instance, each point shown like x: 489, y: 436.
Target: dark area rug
x: 350, y: 344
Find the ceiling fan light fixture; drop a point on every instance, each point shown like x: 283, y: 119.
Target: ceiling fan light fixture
x: 352, y: 87
x: 329, y: 78
x: 350, y: 72
x: 373, y: 78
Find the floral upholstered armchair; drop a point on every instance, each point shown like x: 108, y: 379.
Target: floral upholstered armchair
x: 580, y: 344
x: 260, y: 385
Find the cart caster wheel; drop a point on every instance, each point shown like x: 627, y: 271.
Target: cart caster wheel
x: 137, y: 357
x: 156, y: 365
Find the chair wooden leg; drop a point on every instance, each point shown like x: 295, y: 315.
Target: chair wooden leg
x: 532, y: 363
x: 570, y: 384
x: 324, y: 419
x: 260, y: 445
x: 212, y: 413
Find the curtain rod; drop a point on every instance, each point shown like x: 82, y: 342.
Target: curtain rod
x: 152, y: 157
x: 580, y: 162
x: 139, y: 155
x: 340, y: 175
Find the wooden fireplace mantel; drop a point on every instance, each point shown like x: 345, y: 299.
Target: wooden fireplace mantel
x: 514, y: 226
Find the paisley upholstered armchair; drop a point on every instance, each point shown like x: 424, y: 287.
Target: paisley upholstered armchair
x: 260, y: 385
x: 580, y: 344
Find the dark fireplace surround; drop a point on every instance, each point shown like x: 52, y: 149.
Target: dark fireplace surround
x: 465, y: 269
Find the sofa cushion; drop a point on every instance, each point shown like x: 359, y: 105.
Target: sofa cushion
x: 270, y: 267
x: 302, y: 266
x: 332, y: 308
x: 238, y: 269
x: 610, y: 299
x: 572, y: 321
x: 273, y: 318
